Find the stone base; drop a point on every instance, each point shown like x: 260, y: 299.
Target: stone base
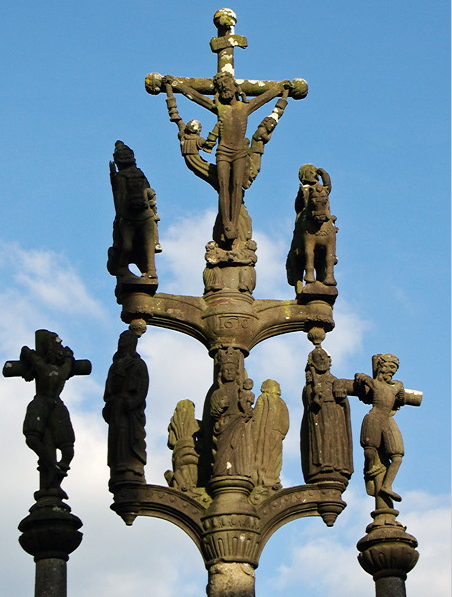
x: 388, y: 552
x: 50, y: 530
x: 316, y: 291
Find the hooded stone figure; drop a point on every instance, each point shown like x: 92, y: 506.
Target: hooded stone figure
x: 125, y: 401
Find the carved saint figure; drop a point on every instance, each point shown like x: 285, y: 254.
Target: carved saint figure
x: 232, y: 156
x: 125, y: 401
x: 182, y: 439
x: 313, y: 247
x: 232, y: 269
x: 380, y: 434
x: 231, y: 418
x: 135, y: 233
x: 47, y: 425
x: 270, y: 426
x: 326, y: 438
x: 261, y: 137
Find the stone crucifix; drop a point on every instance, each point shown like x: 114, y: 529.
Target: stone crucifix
x: 47, y: 425
x: 232, y: 108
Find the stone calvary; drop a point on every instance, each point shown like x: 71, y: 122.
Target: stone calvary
x: 224, y: 488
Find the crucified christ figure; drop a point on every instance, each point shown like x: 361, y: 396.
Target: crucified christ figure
x: 232, y: 109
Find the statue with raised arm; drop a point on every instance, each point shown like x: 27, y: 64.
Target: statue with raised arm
x: 232, y: 109
x: 125, y: 394
x: 380, y: 435
x: 135, y: 233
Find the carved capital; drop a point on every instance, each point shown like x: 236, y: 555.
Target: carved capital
x: 231, y: 528
x: 50, y: 531
x: 388, y: 551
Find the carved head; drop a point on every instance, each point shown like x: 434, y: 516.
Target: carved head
x: 308, y: 174
x: 127, y: 342
x: 50, y: 345
x: 229, y: 362
x: 123, y: 155
x: 225, y: 85
x: 319, y: 359
x: 248, y: 384
x: 386, y: 366
x: 269, y: 123
x: 269, y: 386
x: 193, y: 126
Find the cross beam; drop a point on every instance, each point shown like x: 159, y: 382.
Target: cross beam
x: 223, y: 45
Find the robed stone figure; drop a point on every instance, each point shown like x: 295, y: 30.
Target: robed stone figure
x: 326, y: 438
x: 125, y: 401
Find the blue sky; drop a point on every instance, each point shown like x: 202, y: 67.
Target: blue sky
x: 376, y: 118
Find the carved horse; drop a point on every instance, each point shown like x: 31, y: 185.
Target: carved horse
x: 313, y: 247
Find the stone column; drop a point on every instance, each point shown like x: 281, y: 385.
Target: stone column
x: 231, y: 537
x: 228, y: 579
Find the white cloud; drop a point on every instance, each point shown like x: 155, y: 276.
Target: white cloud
x: 182, y: 260
x: 50, y: 280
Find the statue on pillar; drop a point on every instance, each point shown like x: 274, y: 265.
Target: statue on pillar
x: 312, y: 254
x: 183, y: 432
x: 135, y: 232
x: 125, y: 394
x: 326, y: 437
x: 269, y: 428
x: 231, y: 418
x: 380, y: 435
x: 47, y: 426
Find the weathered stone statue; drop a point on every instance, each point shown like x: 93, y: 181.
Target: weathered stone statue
x: 232, y: 157
x: 125, y: 401
x: 380, y: 435
x: 191, y: 142
x: 230, y: 269
x: 183, y: 433
x: 270, y: 426
x: 135, y: 233
x: 47, y: 425
x: 326, y: 438
x: 261, y: 137
x: 50, y: 532
x: 231, y: 419
x: 387, y: 551
x: 312, y: 254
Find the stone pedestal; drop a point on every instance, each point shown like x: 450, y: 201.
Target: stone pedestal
x: 387, y: 553
x: 50, y: 533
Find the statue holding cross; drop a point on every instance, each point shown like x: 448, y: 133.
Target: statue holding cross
x: 232, y: 108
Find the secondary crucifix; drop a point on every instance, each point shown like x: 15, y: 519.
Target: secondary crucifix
x: 234, y: 163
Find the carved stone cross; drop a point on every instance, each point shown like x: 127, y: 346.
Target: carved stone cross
x: 223, y: 45
x: 47, y: 425
x: 232, y: 108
